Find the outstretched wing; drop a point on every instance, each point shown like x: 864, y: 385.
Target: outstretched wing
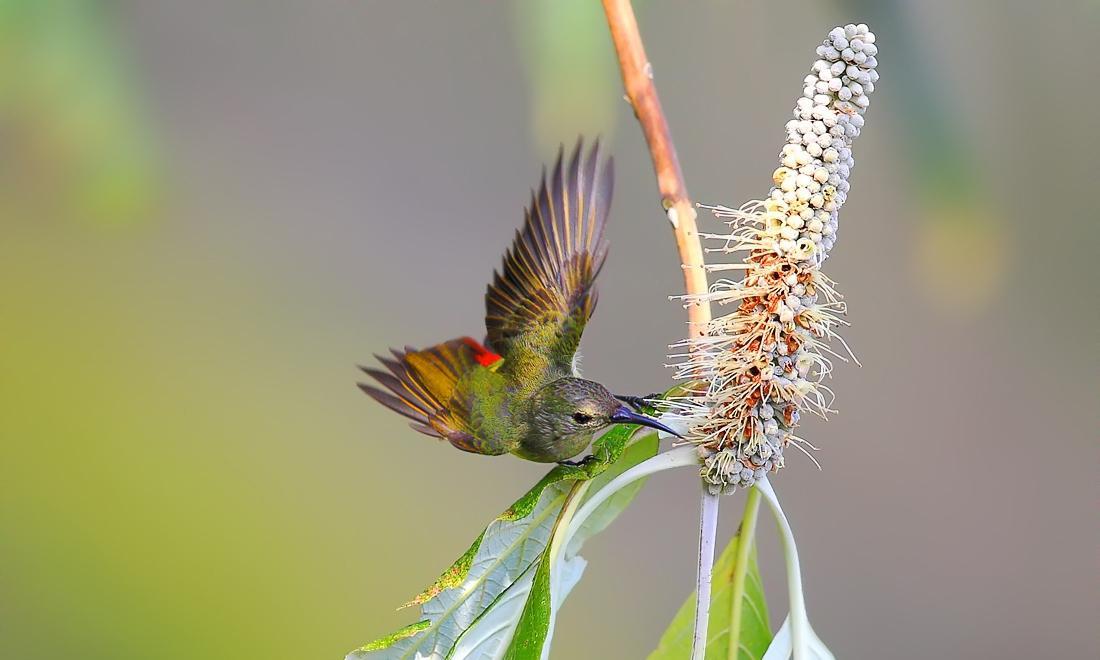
x: 538, y: 304
x: 424, y: 387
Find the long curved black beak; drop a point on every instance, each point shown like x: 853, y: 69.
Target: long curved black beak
x: 625, y: 415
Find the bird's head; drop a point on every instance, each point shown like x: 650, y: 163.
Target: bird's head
x: 573, y: 406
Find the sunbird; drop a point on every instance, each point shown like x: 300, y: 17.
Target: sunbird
x: 520, y: 391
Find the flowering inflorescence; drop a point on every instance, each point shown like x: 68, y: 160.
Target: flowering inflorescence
x: 757, y: 368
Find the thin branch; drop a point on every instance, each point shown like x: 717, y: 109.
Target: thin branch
x: 642, y: 94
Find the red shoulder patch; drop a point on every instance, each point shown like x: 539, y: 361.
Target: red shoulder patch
x: 484, y: 356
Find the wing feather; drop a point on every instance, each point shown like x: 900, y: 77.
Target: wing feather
x: 544, y: 294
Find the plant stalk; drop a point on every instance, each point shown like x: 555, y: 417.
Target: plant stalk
x: 745, y: 539
x: 708, y: 528
x: 673, y: 458
x: 560, y: 536
x: 801, y: 635
x: 641, y: 92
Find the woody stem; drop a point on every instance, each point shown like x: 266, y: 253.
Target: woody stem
x: 642, y: 93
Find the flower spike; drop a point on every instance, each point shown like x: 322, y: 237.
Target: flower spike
x: 759, y: 368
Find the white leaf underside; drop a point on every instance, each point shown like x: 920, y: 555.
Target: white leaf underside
x: 490, y: 636
x: 477, y: 618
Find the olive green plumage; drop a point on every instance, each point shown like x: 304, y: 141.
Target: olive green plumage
x: 520, y: 393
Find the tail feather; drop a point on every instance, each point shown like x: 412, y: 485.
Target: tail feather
x: 421, y: 385
x: 411, y: 389
x: 426, y: 430
x: 389, y: 400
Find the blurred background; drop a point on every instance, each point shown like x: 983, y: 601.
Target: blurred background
x: 210, y: 212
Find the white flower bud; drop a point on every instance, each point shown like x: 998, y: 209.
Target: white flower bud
x: 776, y: 338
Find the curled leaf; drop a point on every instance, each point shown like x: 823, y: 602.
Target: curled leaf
x: 474, y: 607
x: 755, y: 633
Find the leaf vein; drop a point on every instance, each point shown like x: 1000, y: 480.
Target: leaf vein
x: 480, y: 580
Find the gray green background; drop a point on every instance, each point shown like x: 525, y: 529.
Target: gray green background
x: 211, y: 211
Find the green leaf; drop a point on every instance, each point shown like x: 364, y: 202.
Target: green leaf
x: 488, y: 574
x: 533, y: 626
x: 390, y: 640
x: 755, y: 634
x: 473, y: 608
x: 641, y: 449
x: 536, y: 622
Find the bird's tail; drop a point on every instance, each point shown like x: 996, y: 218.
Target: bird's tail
x: 421, y: 386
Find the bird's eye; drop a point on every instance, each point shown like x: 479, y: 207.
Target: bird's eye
x: 581, y: 418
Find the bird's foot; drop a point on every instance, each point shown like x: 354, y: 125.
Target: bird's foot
x: 587, y: 460
x: 638, y: 403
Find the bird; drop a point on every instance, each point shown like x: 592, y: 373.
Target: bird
x: 520, y: 392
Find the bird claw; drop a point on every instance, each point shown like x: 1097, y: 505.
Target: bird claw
x: 640, y: 404
x: 587, y: 460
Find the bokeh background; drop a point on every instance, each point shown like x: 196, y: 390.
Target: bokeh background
x: 211, y: 211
